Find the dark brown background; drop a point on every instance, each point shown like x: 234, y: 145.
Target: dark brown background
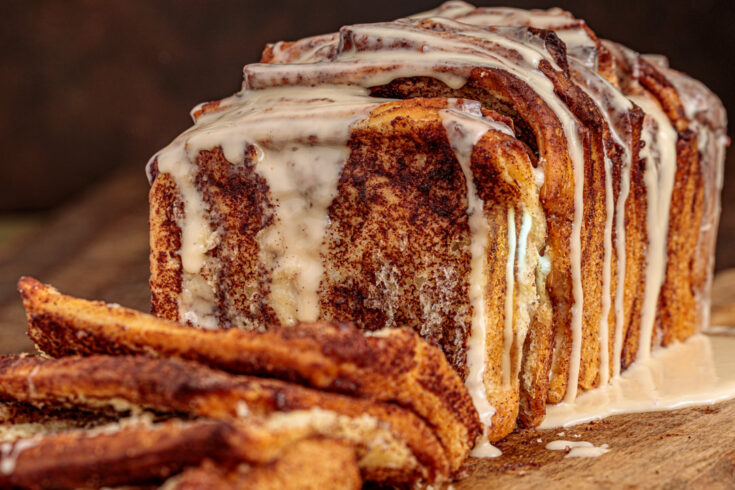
x: 89, y: 90
x: 90, y: 86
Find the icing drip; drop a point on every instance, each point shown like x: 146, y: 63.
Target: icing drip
x: 580, y: 45
x: 301, y: 169
x: 501, y: 16
x: 620, y: 285
x: 606, y: 274
x: 10, y: 451
x: 302, y: 182
x: 575, y: 258
x: 463, y: 134
x: 509, y: 297
x: 660, y: 154
x: 613, y: 107
x: 527, y: 262
x: 450, y: 9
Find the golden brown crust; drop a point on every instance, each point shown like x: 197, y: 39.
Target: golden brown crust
x: 307, y: 464
x: 131, y: 455
x: 123, y: 382
x: 372, y: 184
x: 165, y: 241
x: 384, y: 286
x: 252, y: 455
x: 684, y: 289
x: 397, y: 367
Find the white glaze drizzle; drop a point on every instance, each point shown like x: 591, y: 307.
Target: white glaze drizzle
x: 450, y: 10
x: 622, y: 263
x: 31, y: 385
x: 10, y: 451
x: 660, y: 154
x: 448, y: 59
x: 464, y: 133
x: 526, y: 223
x: 527, y: 299
x: 603, y: 333
x: 580, y: 45
x: 501, y: 16
x: 301, y: 177
x: 613, y: 106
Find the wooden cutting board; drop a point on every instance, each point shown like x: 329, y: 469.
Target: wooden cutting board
x: 97, y: 248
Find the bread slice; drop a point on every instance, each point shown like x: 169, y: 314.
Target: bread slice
x: 620, y: 179
x: 142, y: 453
x: 123, y: 383
x: 395, y: 366
x: 309, y: 464
x: 656, y: 257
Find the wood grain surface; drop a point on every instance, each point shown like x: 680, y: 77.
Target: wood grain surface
x: 689, y: 448
x: 97, y: 248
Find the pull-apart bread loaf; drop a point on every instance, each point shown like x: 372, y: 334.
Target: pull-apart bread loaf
x: 538, y: 203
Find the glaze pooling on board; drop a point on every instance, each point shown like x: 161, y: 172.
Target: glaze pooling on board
x: 698, y: 371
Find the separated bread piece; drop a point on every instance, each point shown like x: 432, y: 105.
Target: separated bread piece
x: 411, y: 450
x: 309, y: 464
x: 406, y: 223
x: 143, y: 453
x: 395, y: 366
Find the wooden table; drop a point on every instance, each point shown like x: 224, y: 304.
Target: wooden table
x: 97, y: 248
